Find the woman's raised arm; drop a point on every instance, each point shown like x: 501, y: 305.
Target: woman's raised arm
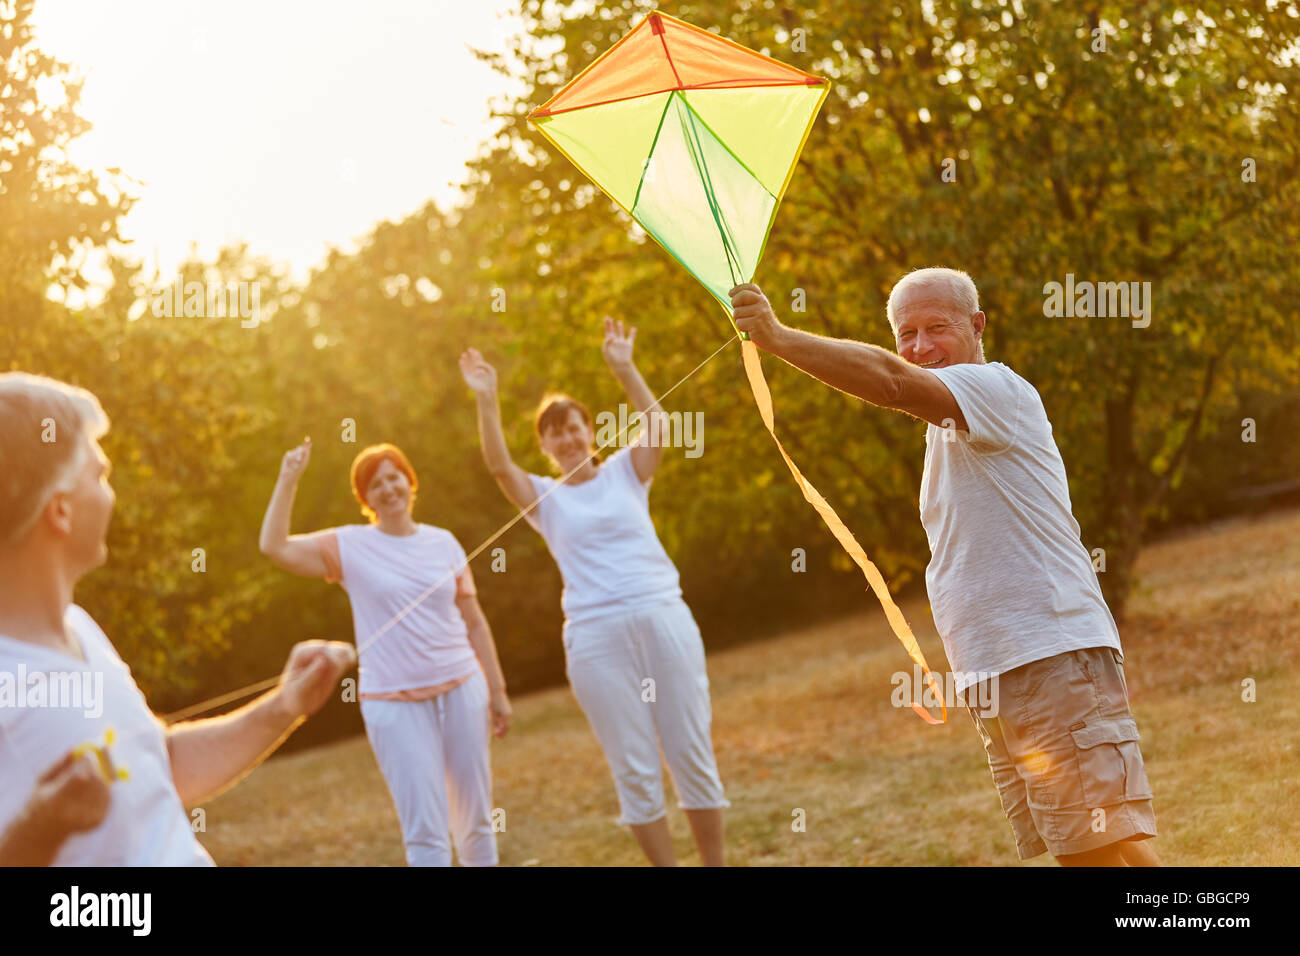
x: 298, y: 553
x: 512, y: 480
x: 617, y: 349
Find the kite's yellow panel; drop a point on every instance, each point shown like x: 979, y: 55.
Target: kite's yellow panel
x: 609, y: 143
x: 763, y: 125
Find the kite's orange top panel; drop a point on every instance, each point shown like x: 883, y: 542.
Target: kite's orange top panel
x: 663, y: 53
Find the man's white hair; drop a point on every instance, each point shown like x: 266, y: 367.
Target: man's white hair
x: 959, y: 285
x: 42, y: 424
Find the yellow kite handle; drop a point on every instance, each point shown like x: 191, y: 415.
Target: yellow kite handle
x: 101, y: 754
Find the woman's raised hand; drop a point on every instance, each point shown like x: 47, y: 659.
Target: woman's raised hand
x: 478, y: 374
x: 295, y: 460
x: 617, y: 347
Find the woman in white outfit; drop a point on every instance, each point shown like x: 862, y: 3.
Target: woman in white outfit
x: 633, y: 652
x: 431, y: 686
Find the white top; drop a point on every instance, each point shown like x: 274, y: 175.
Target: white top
x: 1009, y: 579
x: 383, y: 574
x: 601, y: 536
x: 146, y: 824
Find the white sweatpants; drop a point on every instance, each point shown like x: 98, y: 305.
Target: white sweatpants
x: 435, y: 757
x: 640, y: 679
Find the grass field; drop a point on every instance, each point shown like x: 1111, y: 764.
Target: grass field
x: 805, y: 721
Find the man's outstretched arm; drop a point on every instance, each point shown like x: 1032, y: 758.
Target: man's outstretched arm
x: 212, y: 755
x: 865, y: 371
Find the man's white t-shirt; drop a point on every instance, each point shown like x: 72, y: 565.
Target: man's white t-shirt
x: 601, y: 536
x: 146, y: 824
x: 1009, y: 579
x: 405, y: 587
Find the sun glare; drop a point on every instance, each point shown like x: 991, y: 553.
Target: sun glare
x: 290, y: 126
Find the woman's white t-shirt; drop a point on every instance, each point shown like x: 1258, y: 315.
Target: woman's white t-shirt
x: 601, y: 536
x: 414, y: 579
x: 73, y: 702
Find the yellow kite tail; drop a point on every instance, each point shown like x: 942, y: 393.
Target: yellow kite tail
x: 763, y: 398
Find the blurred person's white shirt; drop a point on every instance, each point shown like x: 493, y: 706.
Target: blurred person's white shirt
x: 146, y: 824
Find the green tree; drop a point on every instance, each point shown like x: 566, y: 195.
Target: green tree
x: 1098, y: 141
x: 49, y: 208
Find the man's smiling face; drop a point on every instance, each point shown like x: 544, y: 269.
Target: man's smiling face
x: 931, y: 330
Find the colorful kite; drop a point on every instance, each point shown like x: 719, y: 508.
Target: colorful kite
x: 696, y: 138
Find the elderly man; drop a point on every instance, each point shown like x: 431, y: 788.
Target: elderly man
x: 121, y: 801
x: 1011, y: 585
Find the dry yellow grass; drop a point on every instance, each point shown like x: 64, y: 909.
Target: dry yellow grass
x: 805, y: 722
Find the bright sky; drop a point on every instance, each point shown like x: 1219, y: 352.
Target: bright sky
x: 292, y: 124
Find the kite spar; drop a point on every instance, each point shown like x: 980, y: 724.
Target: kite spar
x: 696, y: 138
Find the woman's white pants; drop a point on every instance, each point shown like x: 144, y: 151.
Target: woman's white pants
x: 435, y: 757
x: 640, y: 679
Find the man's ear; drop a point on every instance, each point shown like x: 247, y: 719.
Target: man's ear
x: 978, y: 321
x: 58, y: 512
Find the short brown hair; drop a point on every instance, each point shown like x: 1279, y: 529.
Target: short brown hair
x: 35, y: 412
x: 367, y: 463
x: 553, y: 411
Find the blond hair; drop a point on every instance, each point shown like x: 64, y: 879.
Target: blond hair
x: 42, y: 422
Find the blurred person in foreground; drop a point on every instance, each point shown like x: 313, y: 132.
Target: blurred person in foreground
x: 91, y: 776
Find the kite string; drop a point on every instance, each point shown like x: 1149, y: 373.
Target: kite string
x: 269, y: 682
x: 523, y: 512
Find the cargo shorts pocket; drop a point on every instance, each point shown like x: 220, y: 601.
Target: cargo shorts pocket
x: 1110, y: 761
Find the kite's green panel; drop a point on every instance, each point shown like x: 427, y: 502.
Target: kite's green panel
x: 702, y: 204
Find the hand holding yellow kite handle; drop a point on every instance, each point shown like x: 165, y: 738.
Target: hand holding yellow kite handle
x: 106, y: 768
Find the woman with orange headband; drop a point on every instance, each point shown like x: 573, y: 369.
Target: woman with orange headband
x: 431, y: 689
